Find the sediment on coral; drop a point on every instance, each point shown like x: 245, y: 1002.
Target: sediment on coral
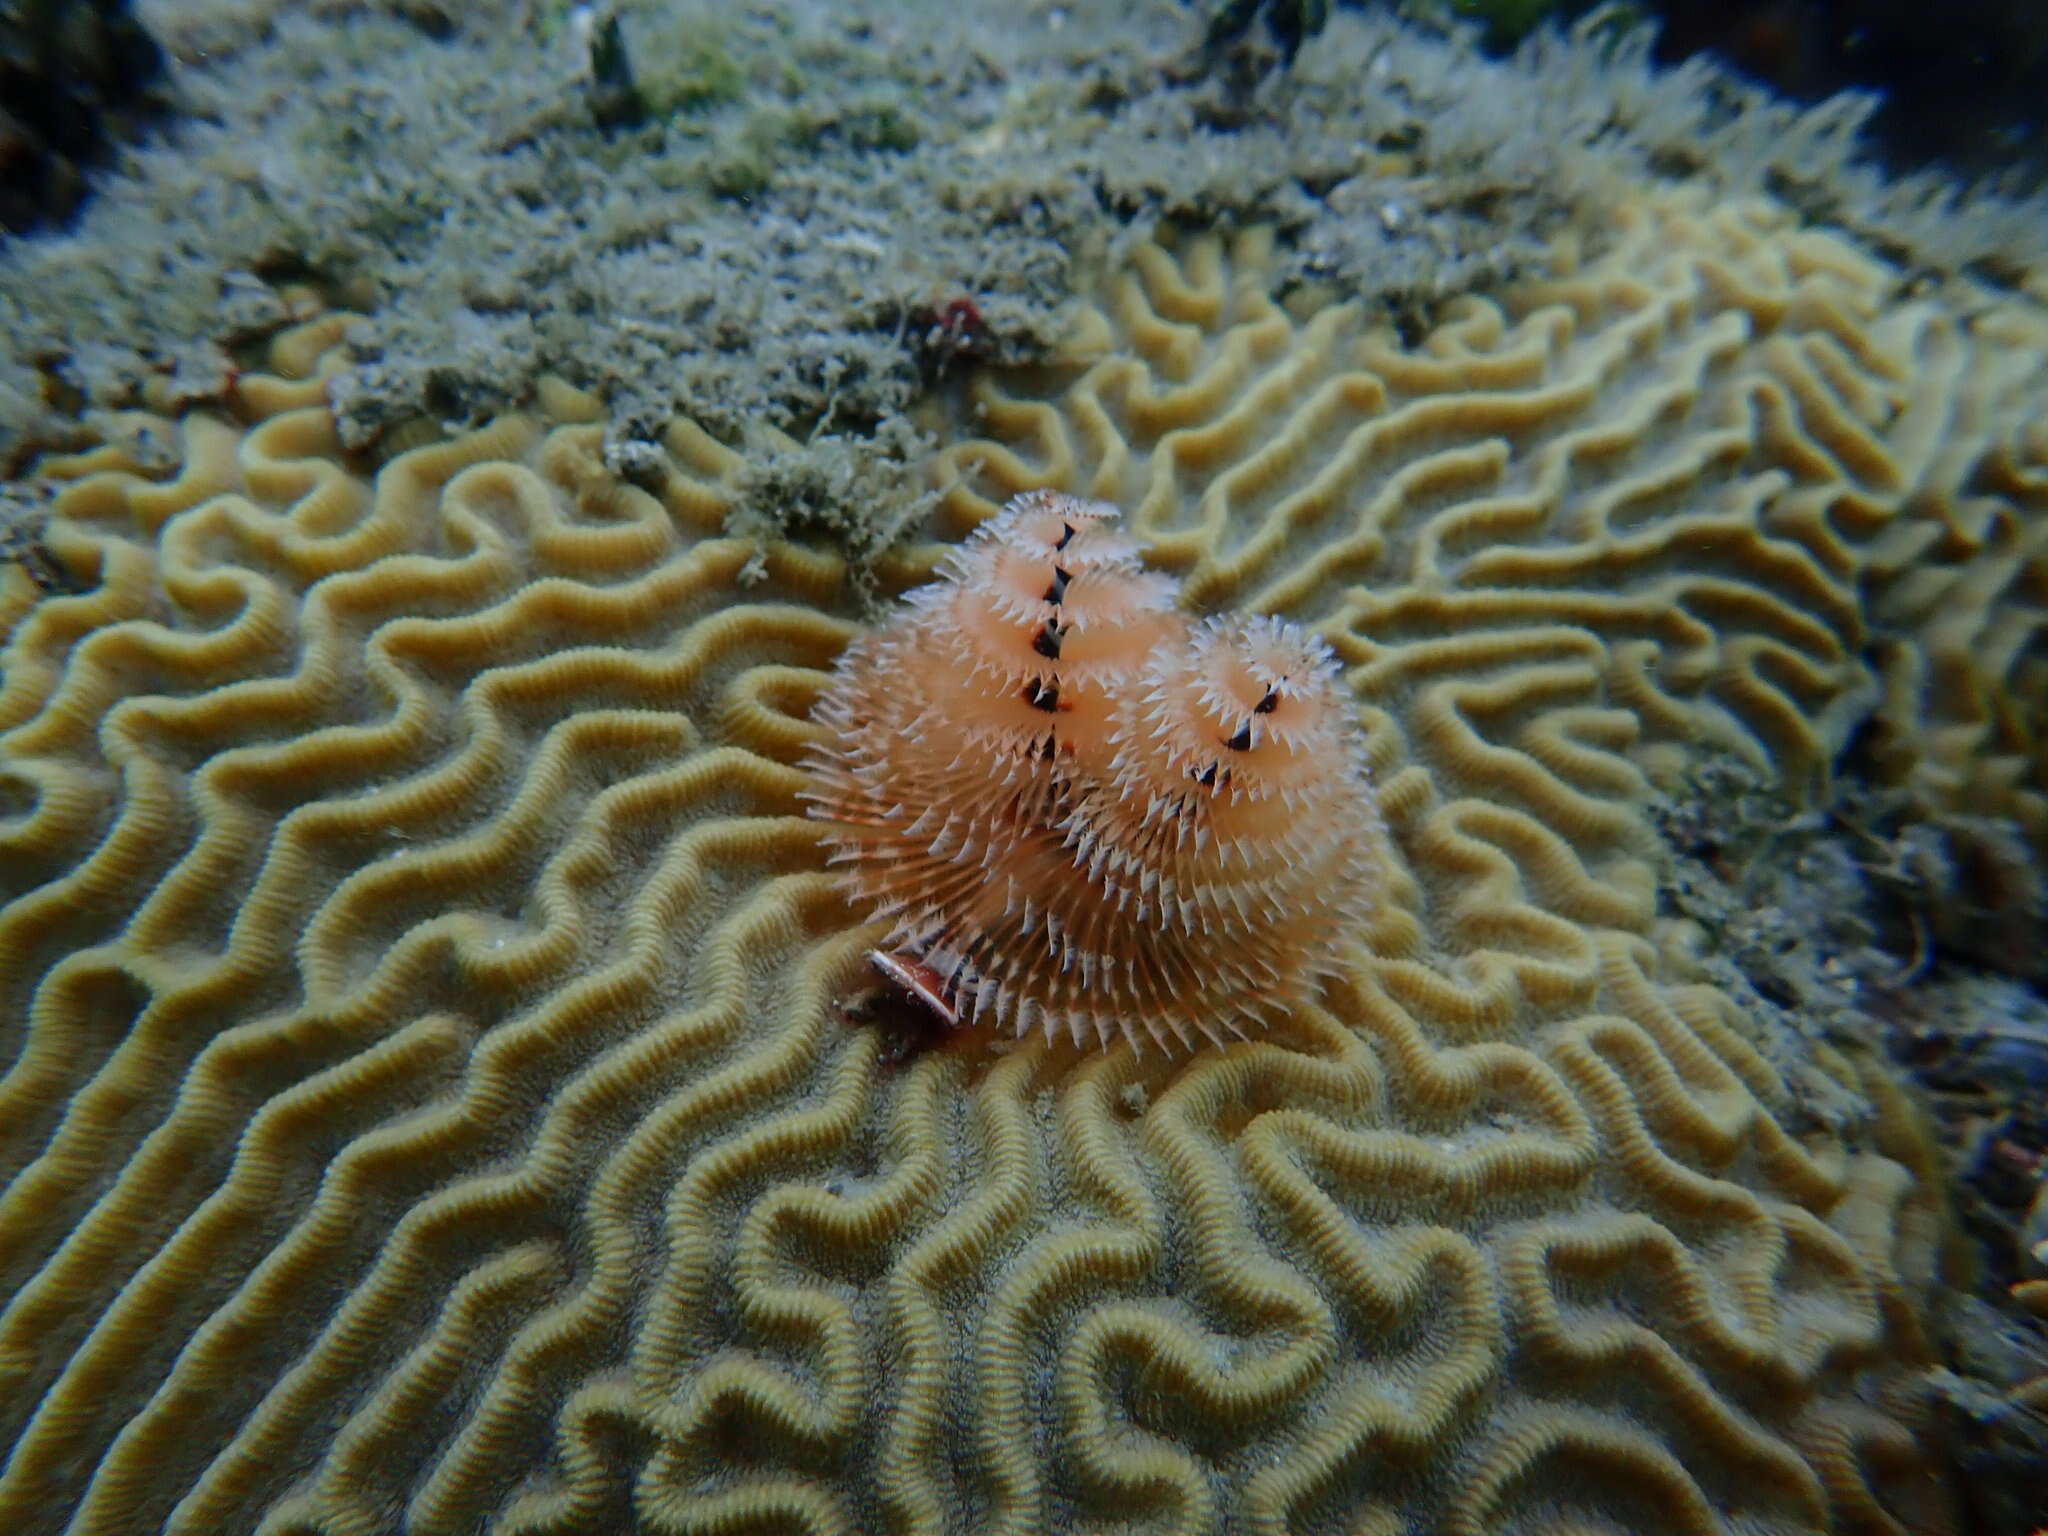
x: 1840, y: 921
x: 813, y: 191
x: 428, y: 1102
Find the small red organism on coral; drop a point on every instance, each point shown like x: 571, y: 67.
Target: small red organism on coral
x: 961, y: 317
x: 955, y: 332
x: 1082, y: 814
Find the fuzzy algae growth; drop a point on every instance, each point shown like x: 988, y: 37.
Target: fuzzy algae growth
x: 428, y: 1100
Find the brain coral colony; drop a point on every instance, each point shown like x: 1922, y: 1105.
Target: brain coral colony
x: 1082, y: 815
x: 425, y: 1105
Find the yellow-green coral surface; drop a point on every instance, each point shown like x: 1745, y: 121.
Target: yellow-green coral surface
x: 428, y: 1106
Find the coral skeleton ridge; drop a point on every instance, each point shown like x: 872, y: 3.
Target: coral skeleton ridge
x: 1083, y: 815
x: 424, y: 1101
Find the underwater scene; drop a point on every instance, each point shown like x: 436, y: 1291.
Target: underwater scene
x: 1124, y: 767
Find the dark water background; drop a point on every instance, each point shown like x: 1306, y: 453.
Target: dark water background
x: 1965, y: 82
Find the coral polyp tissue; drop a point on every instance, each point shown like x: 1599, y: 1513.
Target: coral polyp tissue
x: 1085, y: 815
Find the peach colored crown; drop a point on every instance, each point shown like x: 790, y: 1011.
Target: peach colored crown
x: 1083, y: 813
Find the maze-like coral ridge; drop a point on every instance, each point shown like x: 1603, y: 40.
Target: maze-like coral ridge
x: 1788, y: 494
x: 426, y: 1107
x: 1082, y: 816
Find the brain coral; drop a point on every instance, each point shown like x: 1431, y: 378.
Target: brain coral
x: 425, y: 1107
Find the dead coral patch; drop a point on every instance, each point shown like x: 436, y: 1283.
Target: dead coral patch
x: 797, y: 190
x: 1857, y: 927
x: 859, y: 497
